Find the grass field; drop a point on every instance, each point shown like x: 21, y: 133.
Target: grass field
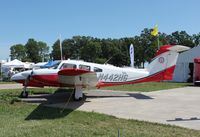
x: 145, y: 87
x: 26, y: 120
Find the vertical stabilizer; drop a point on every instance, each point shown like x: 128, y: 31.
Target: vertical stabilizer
x: 165, y: 61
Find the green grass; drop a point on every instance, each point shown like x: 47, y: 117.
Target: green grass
x: 26, y: 120
x: 7, y: 95
x: 145, y: 87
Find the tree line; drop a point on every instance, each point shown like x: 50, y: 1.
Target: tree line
x: 32, y: 51
x: 112, y: 51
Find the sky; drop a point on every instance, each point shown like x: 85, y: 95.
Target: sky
x: 45, y: 20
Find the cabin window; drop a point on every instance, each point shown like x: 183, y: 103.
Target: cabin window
x: 97, y: 69
x: 67, y: 65
x: 85, y: 67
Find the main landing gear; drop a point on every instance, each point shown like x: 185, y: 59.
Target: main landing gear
x: 78, y: 93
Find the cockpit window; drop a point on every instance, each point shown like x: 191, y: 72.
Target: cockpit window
x: 97, y: 69
x: 67, y: 65
x: 85, y: 67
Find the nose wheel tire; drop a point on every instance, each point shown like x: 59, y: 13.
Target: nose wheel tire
x: 24, y: 94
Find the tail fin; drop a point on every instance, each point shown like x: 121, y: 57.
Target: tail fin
x: 164, y: 61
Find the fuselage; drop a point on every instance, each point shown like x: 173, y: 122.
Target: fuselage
x: 106, y: 74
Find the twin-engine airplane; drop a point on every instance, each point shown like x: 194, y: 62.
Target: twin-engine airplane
x: 79, y: 74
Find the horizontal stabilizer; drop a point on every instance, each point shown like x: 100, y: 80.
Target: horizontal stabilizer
x: 178, y: 48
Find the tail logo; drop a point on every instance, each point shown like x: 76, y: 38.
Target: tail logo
x: 161, y: 60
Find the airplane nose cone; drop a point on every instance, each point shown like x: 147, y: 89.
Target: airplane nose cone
x: 21, y: 76
x: 17, y: 77
x: 26, y: 74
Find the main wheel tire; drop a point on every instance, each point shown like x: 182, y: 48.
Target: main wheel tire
x: 79, y: 99
x: 76, y: 99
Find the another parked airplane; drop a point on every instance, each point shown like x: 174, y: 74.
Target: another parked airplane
x: 79, y: 74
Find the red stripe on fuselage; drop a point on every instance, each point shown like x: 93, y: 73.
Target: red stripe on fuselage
x: 166, y: 74
x: 31, y: 83
x: 50, y: 80
x: 47, y: 80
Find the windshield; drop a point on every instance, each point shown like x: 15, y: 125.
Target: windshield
x: 56, y: 65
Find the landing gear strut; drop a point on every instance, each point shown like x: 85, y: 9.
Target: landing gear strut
x: 78, y: 93
x: 24, y: 93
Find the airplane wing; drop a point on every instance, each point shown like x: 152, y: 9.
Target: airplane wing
x: 77, y: 77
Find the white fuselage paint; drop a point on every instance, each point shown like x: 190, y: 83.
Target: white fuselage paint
x: 111, y: 73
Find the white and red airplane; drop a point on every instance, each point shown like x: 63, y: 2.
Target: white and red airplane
x: 79, y: 74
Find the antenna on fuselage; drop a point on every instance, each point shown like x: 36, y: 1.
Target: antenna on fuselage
x: 108, y: 60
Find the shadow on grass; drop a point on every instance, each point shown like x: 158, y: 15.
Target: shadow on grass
x: 43, y: 112
x: 52, y: 106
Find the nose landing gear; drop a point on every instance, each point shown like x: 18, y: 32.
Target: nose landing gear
x: 24, y: 93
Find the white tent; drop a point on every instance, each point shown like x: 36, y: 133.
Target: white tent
x: 8, y: 67
x: 14, y: 64
x: 28, y: 65
x: 184, y: 64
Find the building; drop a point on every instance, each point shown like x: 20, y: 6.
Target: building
x: 185, y: 65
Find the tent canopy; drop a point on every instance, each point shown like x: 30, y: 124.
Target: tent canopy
x: 14, y: 64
